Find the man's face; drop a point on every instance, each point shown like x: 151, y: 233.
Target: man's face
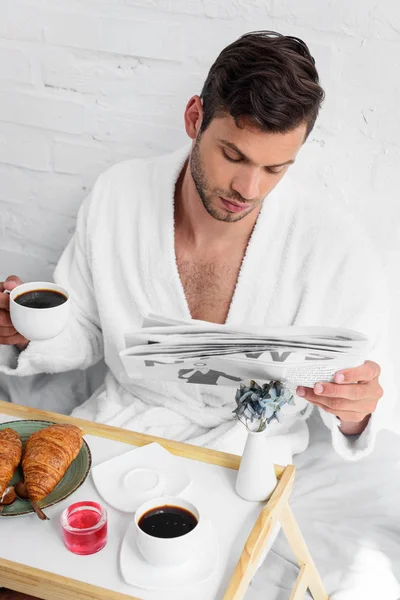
x: 235, y: 169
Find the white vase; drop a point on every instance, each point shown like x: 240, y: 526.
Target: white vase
x: 256, y: 479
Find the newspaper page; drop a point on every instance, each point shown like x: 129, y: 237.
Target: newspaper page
x: 205, y: 353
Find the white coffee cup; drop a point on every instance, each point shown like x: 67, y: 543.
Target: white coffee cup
x: 168, y: 551
x: 39, y: 323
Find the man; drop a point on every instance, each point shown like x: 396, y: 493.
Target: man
x: 200, y: 234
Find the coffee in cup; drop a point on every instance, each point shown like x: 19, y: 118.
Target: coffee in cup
x: 42, y: 298
x: 167, y: 521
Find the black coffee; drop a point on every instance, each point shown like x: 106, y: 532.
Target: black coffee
x: 41, y: 299
x: 167, y: 521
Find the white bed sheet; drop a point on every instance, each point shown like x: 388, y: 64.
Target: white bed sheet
x: 349, y: 514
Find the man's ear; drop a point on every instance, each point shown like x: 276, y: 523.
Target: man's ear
x: 193, y: 116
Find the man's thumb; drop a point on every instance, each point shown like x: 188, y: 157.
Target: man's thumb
x: 11, y: 282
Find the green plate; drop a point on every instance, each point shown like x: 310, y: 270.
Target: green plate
x: 72, y: 480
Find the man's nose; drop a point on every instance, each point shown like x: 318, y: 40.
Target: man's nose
x: 247, y: 184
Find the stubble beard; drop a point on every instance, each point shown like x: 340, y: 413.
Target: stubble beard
x: 199, y: 178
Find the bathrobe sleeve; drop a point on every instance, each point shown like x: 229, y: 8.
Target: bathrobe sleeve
x: 80, y: 345
x: 359, y: 290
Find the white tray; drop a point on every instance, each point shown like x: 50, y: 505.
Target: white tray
x: 34, y: 543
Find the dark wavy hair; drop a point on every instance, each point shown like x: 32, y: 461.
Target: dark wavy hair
x: 266, y: 79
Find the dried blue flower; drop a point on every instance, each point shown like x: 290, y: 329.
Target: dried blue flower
x: 261, y: 404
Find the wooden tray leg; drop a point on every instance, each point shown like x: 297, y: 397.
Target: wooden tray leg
x: 301, y: 585
x: 259, y: 537
x: 276, y: 510
x: 308, y: 576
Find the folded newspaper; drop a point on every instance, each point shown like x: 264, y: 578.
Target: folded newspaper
x: 209, y: 354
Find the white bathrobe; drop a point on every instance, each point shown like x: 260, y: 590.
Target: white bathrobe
x: 307, y: 263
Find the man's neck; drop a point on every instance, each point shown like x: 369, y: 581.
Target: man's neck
x: 197, y: 227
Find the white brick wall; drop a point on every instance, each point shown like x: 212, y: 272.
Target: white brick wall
x: 85, y: 83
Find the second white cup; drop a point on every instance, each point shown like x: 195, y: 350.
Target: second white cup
x: 167, y: 551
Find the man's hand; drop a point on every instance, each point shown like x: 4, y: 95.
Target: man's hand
x: 353, y: 397
x: 8, y: 334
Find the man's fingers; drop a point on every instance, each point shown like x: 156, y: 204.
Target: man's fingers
x: 8, y: 334
x: 7, y: 331
x: 360, y: 391
x: 11, y: 282
x: 347, y: 416
x: 5, y: 320
x: 336, y: 404
x: 13, y: 340
x: 366, y: 372
x: 4, y: 302
x: 330, y: 391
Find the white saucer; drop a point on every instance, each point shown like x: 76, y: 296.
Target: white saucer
x: 137, y: 571
x: 126, y: 481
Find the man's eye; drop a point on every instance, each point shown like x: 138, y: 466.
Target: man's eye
x: 234, y: 160
x: 274, y: 171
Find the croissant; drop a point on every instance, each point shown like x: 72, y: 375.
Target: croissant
x: 47, y: 456
x: 10, y: 456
